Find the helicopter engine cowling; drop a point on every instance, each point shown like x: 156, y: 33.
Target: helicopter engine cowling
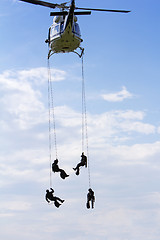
x: 58, y: 19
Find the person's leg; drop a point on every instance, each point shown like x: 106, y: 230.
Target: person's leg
x: 92, y: 203
x: 63, y: 174
x: 88, y: 204
x: 57, y: 204
x: 58, y: 199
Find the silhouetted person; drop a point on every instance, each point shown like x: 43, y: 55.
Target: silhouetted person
x: 81, y: 164
x: 55, y: 168
x: 50, y: 198
x: 90, y: 198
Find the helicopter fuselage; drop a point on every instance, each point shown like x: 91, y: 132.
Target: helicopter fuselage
x: 64, y: 36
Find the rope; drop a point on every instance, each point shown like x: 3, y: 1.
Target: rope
x: 51, y: 108
x: 84, y: 123
x: 49, y: 128
x: 83, y: 116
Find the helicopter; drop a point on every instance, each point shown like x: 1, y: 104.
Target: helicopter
x: 64, y: 34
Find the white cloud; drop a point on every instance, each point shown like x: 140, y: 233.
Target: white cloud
x: 114, y: 121
x: 158, y: 130
x: 138, y: 127
x: 137, y: 153
x: 15, y: 80
x: 24, y: 166
x: 15, y: 206
x: 118, y: 125
x: 117, y: 96
x: 130, y: 114
x: 23, y: 106
x: 21, y: 96
x: 40, y: 75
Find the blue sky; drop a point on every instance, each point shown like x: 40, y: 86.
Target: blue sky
x: 121, y: 67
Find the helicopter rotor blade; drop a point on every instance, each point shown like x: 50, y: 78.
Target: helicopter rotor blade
x: 63, y: 6
x: 45, y: 4
x: 65, y: 13
x: 103, y: 10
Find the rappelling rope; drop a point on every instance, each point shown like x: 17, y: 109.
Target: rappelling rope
x: 84, y: 124
x: 51, y: 114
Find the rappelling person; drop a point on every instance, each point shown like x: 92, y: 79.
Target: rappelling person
x: 90, y: 198
x: 55, y: 168
x: 49, y: 198
x: 82, y: 163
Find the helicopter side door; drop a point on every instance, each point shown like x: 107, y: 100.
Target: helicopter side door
x: 76, y: 30
x: 55, y: 31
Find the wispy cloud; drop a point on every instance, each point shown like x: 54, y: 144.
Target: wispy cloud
x: 21, y: 96
x: 117, y: 96
x: 24, y: 161
x: 15, y: 206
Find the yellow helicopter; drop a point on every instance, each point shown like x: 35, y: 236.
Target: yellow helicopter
x: 64, y: 34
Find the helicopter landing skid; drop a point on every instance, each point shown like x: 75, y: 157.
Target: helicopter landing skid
x: 50, y: 53
x: 82, y: 52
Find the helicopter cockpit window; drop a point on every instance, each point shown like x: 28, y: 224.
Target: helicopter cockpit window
x: 77, y: 29
x: 61, y: 26
x: 55, y: 30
